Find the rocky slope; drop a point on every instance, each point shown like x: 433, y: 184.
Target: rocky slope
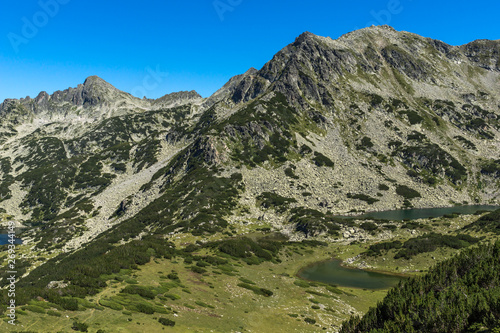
x: 375, y: 120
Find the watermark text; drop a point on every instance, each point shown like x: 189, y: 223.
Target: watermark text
x: 31, y: 26
x: 223, y: 6
x: 12, y: 273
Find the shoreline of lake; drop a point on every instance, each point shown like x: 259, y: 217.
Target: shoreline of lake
x: 334, y: 260
x: 432, y: 212
x: 373, y: 270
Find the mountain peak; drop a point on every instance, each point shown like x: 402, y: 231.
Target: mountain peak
x: 178, y: 98
x: 95, y: 80
x: 304, y: 37
x: 251, y: 71
x: 383, y: 27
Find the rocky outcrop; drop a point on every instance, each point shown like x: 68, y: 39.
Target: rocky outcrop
x: 94, y: 99
x: 483, y: 53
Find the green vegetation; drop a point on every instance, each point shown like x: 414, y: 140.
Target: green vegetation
x: 431, y: 241
x: 229, y: 265
x: 312, y: 222
x: 412, y: 116
x: 416, y: 136
x: 256, y: 290
x: 368, y: 226
x: 375, y: 99
x: 365, y: 143
x: 457, y: 295
x: 363, y: 197
x: 310, y: 321
x: 383, y: 187
x: 406, y: 192
x: 491, y: 168
x: 257, y: 137
x: 433, y: 159
x: 413, y: 225
x: 376, y: 249
x: 145, y: 153
x: 289, y: 172
x: 7, y: 179
x: 321, y: 160
x: 253, y: 252
x: 487, y: 223
x: 166, y: 322
x: 119, y: 167
x: 80, y: 327
x: 275, y: 201
x: 466, y: 143
x: 305, y: 149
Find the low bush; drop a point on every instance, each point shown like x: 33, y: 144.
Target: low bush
x: 321, y: 160
x: 406, y: 192
x: 256, y: 290
x: 166, y: 322
x: 310, y: 321
x: 368, y: 226
x: 80, y: 327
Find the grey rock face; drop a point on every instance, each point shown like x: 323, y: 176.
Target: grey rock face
x: 94, y: 99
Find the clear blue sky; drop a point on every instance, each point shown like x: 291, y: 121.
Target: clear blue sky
x: 200, y: 44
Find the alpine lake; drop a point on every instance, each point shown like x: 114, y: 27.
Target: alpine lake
x: 332, y: 271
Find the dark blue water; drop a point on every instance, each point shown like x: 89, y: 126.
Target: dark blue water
x: 332, y: 272
x: 4, y: 239
x: 423, y: 213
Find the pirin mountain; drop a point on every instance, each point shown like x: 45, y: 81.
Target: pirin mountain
x: 375, y: 120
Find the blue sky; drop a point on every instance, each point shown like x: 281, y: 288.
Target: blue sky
x: 55, y: 44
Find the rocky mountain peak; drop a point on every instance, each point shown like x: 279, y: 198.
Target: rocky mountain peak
x: 304, y: 37
x: 95, y: 91
x: 42, y: 96
x: 94, y: 79
x: 311, y: 63
x: 484, y: 53
x: 177, y: 98
x: 94, y: 99
x: 251, y: 71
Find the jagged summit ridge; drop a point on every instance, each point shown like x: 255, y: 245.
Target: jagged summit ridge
x: 311, y: 63
x: 94, y: 99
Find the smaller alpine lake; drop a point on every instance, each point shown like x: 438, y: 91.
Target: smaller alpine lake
x: 4, y: 238
x: 332, y: 272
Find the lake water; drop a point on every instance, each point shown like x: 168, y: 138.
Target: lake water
x: 422, y: 213
x: 332, y: 272
x: 4, y: 238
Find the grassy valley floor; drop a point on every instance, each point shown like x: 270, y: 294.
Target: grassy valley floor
x: 234, y: 296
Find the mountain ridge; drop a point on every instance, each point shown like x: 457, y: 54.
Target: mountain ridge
x: 85, y: 95
x: 375, y: 102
